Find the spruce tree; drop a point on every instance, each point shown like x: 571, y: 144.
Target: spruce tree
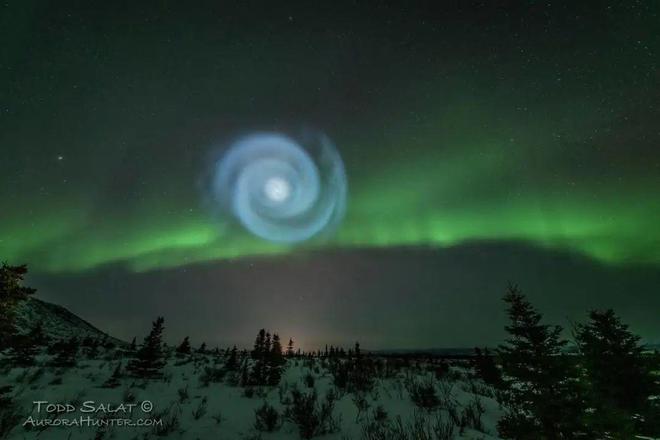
x: 543, y: 392
x: 267, y: 347
x: 277, y: 357
x: 149, y: 360
x: 275, y: 362
x: 231, y: 364
x: 259, y: 344
x: 289, y: 348
x: 618, y: 380
x: 12, y: 292
x: 115, y: 379
x: 260, y: 353
x: 184, y: 348
x: 485, y: 367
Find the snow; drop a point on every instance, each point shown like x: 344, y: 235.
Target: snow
x: 228, y: 414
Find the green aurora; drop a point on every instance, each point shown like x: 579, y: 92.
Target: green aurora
x: 534, y: 139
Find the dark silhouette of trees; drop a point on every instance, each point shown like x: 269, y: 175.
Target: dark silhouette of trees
x: 486, y: 368
x: 12, y: 292
x: 149, y: 359
x: 115, y: 379
x: 184, y: 348
x: 202, y: 349
x: 266, y: 418
x: 289, y: 348
x: 543, y: 392
x: 275, y: 361
x: 618, y: 381
x: 355, y: 373
x: 268, y: 359
x: 260, y: 354
x: 231, y: 364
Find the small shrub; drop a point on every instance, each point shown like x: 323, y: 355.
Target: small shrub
x: 472, y: 413
x: 171, y: 421
x: 309, y: 380
x: 266, y: 418
x: 212, y: 374
x: 423, y: 395
x: 419, y: 428
x: 218, y: 417
x: 380, y: 415
x: 128, y: 396
x: 199, y: 412
x: 362, y: 405
x: 311, y: 417
x: 183, y: 394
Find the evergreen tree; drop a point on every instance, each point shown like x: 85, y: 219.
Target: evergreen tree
x: 202, y: 348
x: 133, y: 346
x: 245, y: 373
x: 618, y: 380
x: 260, y: 354
x: 289, y: 348
x: 184, y: 348
x: 12, y: 292
x: 544, y: 396
x: 277, y: 357
x: 268, y: 343
x: 259, y: 345
x: 232, y: 360
x: 275, y: 362
x: 485, y: 367
x: 268, y: 359
x: 115, y: 379
x: 149, y: 360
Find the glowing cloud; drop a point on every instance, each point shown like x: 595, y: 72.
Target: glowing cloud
x: 279, y: 188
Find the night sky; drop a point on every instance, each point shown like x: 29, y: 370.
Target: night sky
x: 482, y: 144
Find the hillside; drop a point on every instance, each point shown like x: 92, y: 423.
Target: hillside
x: 57, y: 321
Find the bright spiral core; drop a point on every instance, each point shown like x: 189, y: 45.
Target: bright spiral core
x: 277, y: 189
x: 280, y: 188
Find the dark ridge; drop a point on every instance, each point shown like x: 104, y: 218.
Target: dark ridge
x: 57, y: 321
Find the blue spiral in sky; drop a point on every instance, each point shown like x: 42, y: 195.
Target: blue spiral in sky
x: 280, y: 188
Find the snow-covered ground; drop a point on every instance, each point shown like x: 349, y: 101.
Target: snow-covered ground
x: 189, y: 408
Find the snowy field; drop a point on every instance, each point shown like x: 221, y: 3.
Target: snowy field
x: 196, y: 398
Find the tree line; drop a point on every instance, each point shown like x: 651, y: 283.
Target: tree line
x: 600, y: 387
